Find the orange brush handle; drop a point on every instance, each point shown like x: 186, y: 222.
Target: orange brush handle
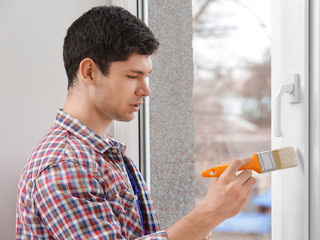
x: 218, y: 170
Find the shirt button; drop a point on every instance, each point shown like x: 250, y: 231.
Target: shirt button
x: 115, y: 150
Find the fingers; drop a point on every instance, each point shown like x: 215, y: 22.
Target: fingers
x: 235, y: 165
x: 228, y: 193
x: 250, y: 183
x: 244, y: 176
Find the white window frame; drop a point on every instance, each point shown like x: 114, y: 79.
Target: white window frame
x: 135, y: 134
x: 296, y: 192
x: 314, y: 202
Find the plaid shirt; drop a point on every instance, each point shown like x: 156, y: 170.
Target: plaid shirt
x: 75, y: 186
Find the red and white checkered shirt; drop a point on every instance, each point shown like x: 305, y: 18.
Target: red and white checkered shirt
x: 75, y: 186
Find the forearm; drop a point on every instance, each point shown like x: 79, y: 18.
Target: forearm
x: 196, y: 225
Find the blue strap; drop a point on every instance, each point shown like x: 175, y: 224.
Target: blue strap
x: 136, y: 192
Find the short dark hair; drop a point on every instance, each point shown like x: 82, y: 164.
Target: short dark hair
x: 105, y: 34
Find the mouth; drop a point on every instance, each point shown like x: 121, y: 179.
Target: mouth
x: 136, y: 107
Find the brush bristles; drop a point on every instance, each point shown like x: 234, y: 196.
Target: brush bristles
x: 285, y: 157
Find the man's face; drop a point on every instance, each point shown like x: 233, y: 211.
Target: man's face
x: 119, y: 94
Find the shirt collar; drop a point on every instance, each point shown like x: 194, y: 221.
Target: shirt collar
x: 85, y: 134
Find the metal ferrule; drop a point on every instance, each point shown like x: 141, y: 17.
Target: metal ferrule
x: 267, y: 162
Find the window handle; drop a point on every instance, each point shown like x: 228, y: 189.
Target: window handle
x: 291, y: 87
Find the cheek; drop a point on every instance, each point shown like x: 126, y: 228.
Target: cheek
x: 100, y: 96
x: 98, y: 92
x: 117, y: 92
x: 126, y: 90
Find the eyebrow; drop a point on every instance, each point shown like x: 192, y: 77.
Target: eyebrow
x: 138, y: 71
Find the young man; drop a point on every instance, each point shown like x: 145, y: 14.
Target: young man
x: 78, y: 183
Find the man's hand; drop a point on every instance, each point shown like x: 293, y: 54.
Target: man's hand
x: 229, y: 192
x: 225, y: 198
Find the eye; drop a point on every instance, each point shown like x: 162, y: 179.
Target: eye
x: 132, y: 77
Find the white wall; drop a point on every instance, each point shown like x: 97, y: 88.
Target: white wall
x: 33, y: 84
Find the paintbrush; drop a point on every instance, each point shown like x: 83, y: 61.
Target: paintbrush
x: 262, y: 162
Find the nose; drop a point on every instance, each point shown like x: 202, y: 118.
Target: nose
x: 143, y: 90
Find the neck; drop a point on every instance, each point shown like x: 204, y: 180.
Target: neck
x: 81, y: 109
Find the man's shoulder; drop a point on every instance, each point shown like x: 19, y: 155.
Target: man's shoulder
x: 52, y: 143
x: 49, y: 150
x: 57, y: 146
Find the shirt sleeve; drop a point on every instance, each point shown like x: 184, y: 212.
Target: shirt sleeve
x: 71, y: 203
x: 161, y: 235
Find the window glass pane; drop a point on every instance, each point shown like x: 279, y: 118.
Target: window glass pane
x: 231, y: 98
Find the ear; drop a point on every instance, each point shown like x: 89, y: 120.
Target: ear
x: 87, y: 69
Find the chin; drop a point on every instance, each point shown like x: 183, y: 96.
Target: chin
x: 125, y: 118
x: 130, y: 119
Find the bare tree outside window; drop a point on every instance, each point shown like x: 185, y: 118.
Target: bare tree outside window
x: 232, y: 107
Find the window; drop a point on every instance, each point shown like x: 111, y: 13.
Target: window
x: 232, y: 101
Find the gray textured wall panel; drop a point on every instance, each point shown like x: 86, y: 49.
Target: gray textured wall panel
x: 171, y: 111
